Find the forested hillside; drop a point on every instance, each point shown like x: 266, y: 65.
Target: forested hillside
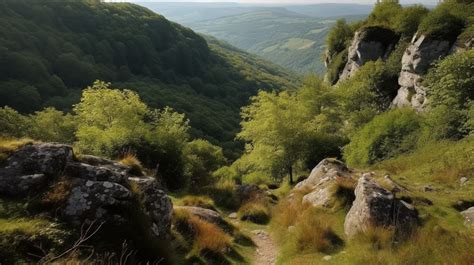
x: 290, y: 36
x: 50, y: 51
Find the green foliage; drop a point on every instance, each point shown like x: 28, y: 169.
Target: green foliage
x: 201, y: 159
x: 336, y: 66
x: 445, y: 22
x: 338, y: 37
x: 52, y: 50
x: 450, y: 95
x: 281, y: 130
x: 51, y: 125
x: 387, y: 135
x: 384, y: 13
x: 12, y: 123
x: 407, y: 21
x: 108, y: 120
x: 366, y: 94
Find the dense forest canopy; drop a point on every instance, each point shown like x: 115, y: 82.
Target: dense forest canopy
x: 50, y: 51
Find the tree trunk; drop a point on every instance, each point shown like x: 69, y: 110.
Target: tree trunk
x: 290, y: 172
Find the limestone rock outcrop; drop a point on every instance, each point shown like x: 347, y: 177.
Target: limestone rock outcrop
x: 375, y: 206
x: 368, y: 44
x: 98, y: 189
x: 32, y: 167
x: 416, y: 61
x: 320, y: 185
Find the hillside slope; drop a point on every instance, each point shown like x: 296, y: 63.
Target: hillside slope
x: 50, y: 51
x: 292, y: 37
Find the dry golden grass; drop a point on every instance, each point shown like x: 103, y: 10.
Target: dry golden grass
x: 198, y: 201
x: 209, y: 236
x: 313, y: 232
x: 131, y: 160
x: 204, y: 236
x: 9, y: 145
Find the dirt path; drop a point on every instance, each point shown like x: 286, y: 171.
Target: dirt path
x: 266, y: 251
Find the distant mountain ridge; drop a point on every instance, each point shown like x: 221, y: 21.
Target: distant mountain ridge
x: 291, y: 36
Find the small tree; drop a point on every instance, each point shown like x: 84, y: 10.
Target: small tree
x: 109, y: 120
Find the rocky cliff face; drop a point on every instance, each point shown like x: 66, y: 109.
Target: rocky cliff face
x: 416, y: 61
x: 368, y: 44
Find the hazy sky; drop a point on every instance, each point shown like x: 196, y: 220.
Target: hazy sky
x: 284, y: 1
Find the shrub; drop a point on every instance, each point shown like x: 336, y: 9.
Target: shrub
x: 407, y: 21
x: 450, y: 93
x: 386, y: 136
x: 12, y: 123
x: 201, y: 158
x: 441, y: 24
x: 51, y: 125
x: 366, y: 94
x: 338, y: 38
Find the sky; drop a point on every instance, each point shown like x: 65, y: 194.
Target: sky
x: 284, y: 1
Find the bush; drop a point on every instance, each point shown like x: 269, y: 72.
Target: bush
x: 442, y: 24
x: 450, y: 93
x: 407, y: 21
x: 201, y: 159
x: 386, y: 136
x: 338, y: 38
x: 366, y: 94
x: 12, y: 123
x: 51, y: 125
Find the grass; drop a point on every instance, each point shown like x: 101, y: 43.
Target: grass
x: 197, y: 201
x: 256, y: 211
x: 442, y: 238
x: 200, y: 235
x: 9, y: 145
x: 22, y: 225
x: 132, y: 161
x: 443, y: 162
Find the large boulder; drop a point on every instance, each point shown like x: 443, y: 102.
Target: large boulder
x: 320, y: 185
x: 368, y: 44
x: 416, y: 61
x: 32, y: 166
x: 157, y: 204
x: 375, y: 206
